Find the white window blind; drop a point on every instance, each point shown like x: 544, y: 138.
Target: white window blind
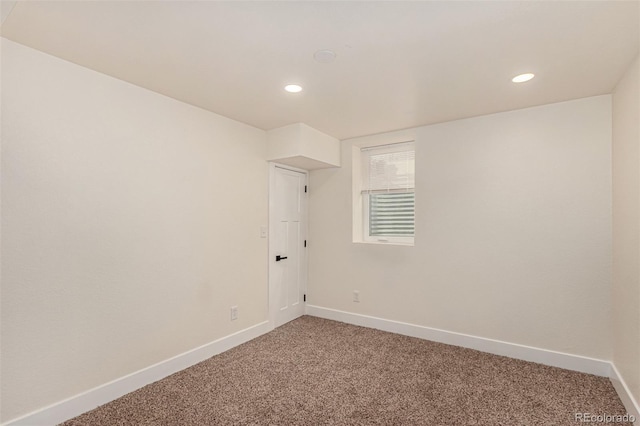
x: 388, y: 190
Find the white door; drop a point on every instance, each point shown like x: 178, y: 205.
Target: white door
x: 287, y: 264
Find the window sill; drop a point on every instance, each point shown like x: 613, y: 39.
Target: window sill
x: 387, y: 243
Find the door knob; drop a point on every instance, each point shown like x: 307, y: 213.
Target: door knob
x: 279, y: 258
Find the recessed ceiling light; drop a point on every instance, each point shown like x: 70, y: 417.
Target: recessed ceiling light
x: 293, y: 88
x: 522, y: 78
x: 324, y: 56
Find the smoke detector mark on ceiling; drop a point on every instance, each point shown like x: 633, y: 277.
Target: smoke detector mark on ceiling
x: 324, y: 56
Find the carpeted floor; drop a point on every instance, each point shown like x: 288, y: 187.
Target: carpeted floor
x: 313, y: 371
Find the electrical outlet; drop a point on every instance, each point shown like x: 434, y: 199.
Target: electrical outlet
x: 356, y: 296
x: 234, y: 313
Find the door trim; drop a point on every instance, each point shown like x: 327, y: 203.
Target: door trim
x: 272, y: 308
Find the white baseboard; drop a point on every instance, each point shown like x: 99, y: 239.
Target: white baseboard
x: 76, y: 405
x: 511, y: 350
x: 526, y: 353
x: 625, y: 394
x: 86, y: 401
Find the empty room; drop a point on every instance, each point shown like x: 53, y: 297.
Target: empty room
x: 460, y: 245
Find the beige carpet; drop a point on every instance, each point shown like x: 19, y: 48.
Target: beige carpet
x: 318, y: 372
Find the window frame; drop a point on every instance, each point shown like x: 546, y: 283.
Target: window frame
x: 362, y: 198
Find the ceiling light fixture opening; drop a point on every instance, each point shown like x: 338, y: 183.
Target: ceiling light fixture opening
x: 293, y: 88
x: 523, y: 77
x: 324, y: 56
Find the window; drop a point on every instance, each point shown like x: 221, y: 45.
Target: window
x: 388, y: 198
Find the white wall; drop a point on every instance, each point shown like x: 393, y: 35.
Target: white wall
x: 513, y: 231
x: 626, y: 229
x: 130, y: 225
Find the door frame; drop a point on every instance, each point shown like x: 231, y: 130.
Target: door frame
x: 272, y: 308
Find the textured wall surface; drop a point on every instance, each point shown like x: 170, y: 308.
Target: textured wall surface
x: 626, y: 228
x: 130, y: 225
x: 513, y: 231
